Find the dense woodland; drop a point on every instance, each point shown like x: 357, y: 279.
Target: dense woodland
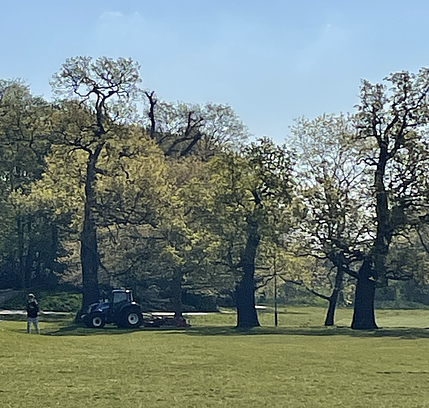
x: 110, y: 186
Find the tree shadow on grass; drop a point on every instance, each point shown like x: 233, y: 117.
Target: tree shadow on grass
x: 399, y: 332
x: 80, y: 330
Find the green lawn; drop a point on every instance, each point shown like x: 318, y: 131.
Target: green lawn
x: 299, y: 364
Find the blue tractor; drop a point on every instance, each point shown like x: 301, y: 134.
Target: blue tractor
x: 119, y: 308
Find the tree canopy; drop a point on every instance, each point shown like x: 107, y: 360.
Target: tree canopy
x: 178, y: 199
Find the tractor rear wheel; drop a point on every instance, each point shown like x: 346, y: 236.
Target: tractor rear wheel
x: 131, y: 318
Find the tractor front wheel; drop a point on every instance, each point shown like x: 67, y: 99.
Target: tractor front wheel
x: 97, y: 320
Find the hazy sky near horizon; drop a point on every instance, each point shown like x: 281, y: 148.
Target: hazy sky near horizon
x: 272, y: 61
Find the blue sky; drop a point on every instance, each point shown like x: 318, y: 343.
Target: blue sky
x: 272, y: 61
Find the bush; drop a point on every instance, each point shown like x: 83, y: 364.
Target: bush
x: 58, y: 302
x: 16, y: 302
x: 61, y: 302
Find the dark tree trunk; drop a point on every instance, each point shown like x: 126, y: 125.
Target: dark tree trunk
x: 24, y: 255
x: 373, y: 268
x: 333, y: 299
x: 176, y: 286
x: 245, y: 290
x: 89, y: 261
x: 151, y: 114
x: 245, y: 301
x: 330, y: 315
x: 89, y: 249
x: 384, y: 228
x: 364, y: 316
x: 21, y: 251
x: 54, y: 244
x: 29, y: 267
x: 29, y: 255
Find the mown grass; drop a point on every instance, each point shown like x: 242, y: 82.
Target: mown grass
x: 211, y: 364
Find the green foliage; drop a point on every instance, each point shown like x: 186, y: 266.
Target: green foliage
x: 16, y: 302
x: 24, y: 142
x: 23, y: 135
x: 48, y: 301
x: 179, y: 199
x: 333, y: 188
x: 255, y: 185
x: 107, y: 86
x: 61, y: 302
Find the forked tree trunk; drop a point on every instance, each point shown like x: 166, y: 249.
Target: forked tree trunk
x: 364, y: 315
x: 373, y: 268
x: 247, y: 316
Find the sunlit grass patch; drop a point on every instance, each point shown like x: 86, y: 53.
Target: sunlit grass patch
x: 299, y: 364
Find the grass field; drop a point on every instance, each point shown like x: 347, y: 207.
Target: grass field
x: 299, y: 364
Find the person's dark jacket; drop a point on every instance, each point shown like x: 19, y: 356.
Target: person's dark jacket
x: 32, y: 308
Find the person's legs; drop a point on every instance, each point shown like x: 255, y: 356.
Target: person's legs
x: 36, y: 325
x: 35, y: 322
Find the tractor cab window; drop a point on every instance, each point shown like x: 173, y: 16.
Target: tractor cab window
x: 120, y: 297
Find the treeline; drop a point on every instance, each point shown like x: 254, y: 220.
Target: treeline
x: 178, y: 201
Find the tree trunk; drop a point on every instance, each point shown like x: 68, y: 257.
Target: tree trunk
x: 89, y: 249
x: 333, y: 299
x: 373, y: 269
x: 245, y: 290
x: 54, y: 245
x: 363, y: 315
x: 384, y: 231
x: 29, y: 267
x: 330, y: 315
x: 89, y: 261
x: 29, y: 255
x: 21, y: 251
x: 24, y: 255
x: 245, y: 301
x: 176, y: 286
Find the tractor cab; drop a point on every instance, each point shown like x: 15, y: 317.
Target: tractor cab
x: 121, y: 295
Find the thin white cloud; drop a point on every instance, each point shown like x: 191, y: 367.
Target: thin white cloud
x: 111, y: 14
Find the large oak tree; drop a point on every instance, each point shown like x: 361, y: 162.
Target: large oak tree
x: 96, y: 99
x: 391, y: 122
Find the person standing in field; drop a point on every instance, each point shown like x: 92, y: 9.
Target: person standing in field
x: 32, y: 313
